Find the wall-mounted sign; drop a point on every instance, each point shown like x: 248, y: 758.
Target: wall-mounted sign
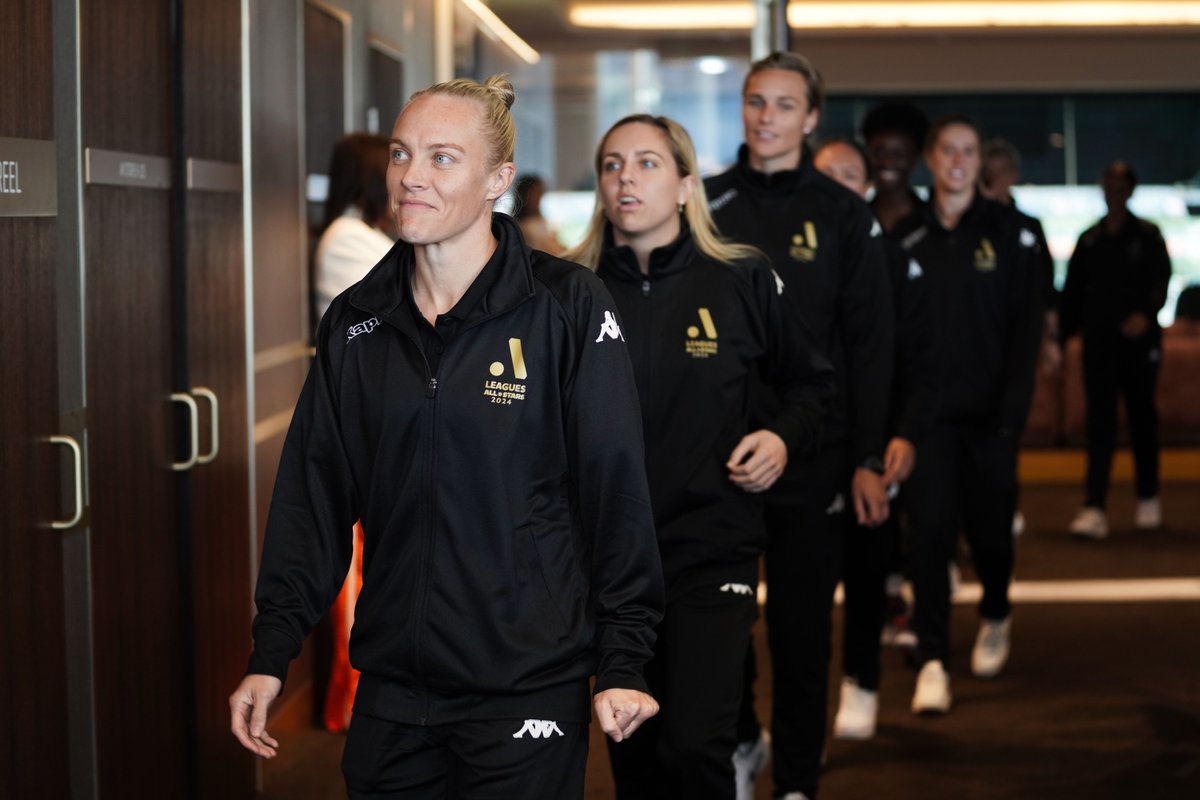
x: 112, y: 168
x: 213, y: 176
x: 28, y: 178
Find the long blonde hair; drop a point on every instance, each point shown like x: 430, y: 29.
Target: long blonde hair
x: 496, y: 95
x: 695, y: 210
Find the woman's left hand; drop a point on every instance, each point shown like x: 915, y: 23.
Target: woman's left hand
x: 757, y: 461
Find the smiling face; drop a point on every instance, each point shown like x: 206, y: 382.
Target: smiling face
x: 893, y: 156
x: 440, y: 184
x: 954, y: 159
x: 844, y: 164
x: 776, y: 117
x: 640, y: 185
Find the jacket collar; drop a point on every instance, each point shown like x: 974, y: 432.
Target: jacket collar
x: 504, y: 283
x: 782, y: 182
x: 619, y: 261
x: 978, y: 204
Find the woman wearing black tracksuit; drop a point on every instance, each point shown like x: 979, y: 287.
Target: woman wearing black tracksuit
x: 700, y: 317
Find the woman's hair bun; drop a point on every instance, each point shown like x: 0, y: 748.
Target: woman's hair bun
x: 500, y: 86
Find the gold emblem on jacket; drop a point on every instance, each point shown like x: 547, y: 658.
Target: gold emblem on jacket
x: 985, y: 256
x: 804, y: 245
x: 505, y: 392
x: 702, y: 348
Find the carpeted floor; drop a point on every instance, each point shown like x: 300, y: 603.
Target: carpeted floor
x: 1099, y: 700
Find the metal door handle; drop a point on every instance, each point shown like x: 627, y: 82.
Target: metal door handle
x: 186, y: 399
x: 66, y: 524
x: 214, y: 415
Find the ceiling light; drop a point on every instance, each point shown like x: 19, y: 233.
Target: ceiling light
x: 495, y: 29
x: 713, y: 66
x: 853, y: 14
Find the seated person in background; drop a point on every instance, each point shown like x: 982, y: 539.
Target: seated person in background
x: 358, y: 229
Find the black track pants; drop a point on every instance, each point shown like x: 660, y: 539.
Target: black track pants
x: 696, y: 676
x: 965, y: 479
x: 1128, y: 368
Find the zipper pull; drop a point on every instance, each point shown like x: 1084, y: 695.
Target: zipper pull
x: 431, y: 387
x: 645, y: 288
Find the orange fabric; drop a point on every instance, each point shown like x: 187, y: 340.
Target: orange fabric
x: 343, y: 678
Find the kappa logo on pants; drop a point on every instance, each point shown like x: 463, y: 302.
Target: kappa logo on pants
x: 538, y: 729
x: 737, y: 588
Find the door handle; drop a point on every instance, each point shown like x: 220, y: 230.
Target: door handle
x: 214, y: 415
x: 67, y: 524
x: 194, y: 414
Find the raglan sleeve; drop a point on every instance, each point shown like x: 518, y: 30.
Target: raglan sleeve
x: 792, y: 364
x: 1070, y: 300
x: 604, y: 446
x: 309, y: 540
x: 868, y: 330
x: 916, y: 361
x: 1158, y: 271
x: 1027, y: 303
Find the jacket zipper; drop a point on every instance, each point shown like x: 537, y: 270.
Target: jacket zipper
x: 430, y: 531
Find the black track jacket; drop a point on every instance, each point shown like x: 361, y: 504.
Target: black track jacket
x: 1110, y: 276
x: 824, y: 242
x: 987, y: 287
x: 698, y: 330
x: 509, y: 544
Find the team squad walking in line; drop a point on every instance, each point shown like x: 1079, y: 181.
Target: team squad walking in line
x: 568, y: 469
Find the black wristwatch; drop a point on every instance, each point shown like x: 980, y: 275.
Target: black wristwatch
x: 873, y: 463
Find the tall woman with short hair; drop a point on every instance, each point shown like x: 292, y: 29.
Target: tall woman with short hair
x: 472, y: 402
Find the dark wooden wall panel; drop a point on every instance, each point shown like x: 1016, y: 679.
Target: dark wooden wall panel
x: 32, y: 658
x: 125, y: 45
x: 137, y: 606
x: 324, y: 86
x: 33, y: 711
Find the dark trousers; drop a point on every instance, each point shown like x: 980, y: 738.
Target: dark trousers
x: 1129, y: 368
x: 474, y: 759
x: 805, y: 529
x: 965, y: 479
x: 696, y: 675
x: 868, y: 554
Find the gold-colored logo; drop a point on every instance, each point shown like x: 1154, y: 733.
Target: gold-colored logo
x: 505, y: 392
x: 804, y: 246
x: 985, y: 256
x: 702, y: 348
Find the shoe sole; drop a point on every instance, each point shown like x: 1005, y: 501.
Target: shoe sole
x: 1089, y: 536
x: 853, y: 736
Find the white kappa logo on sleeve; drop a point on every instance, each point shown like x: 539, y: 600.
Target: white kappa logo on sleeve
x: 610, y: 328
x: 737, y: 588
x: 538, y: 729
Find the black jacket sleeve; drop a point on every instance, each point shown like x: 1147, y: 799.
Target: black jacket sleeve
x: 309, y: 537
x: 1027, y: 305
x: 916, y: 379
x: 1158, y: 270
x: 604, y: 446
x: 1070, y: 300
x: 799, y: 373
x: 867, y: 326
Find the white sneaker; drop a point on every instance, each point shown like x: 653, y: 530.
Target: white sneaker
x: 749, y: 760
x: 794, y: 796
x: 857, y: 712
x: 933, y: 690
x: 1089, y: 523
x: 991, y: 648
x: 1148, y: 515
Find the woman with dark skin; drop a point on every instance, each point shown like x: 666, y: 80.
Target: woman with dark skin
x: 894, y: 134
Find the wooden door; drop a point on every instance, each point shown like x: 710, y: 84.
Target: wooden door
x: 33, y: 709
x: 139, y: 626
x: 216, y: 355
